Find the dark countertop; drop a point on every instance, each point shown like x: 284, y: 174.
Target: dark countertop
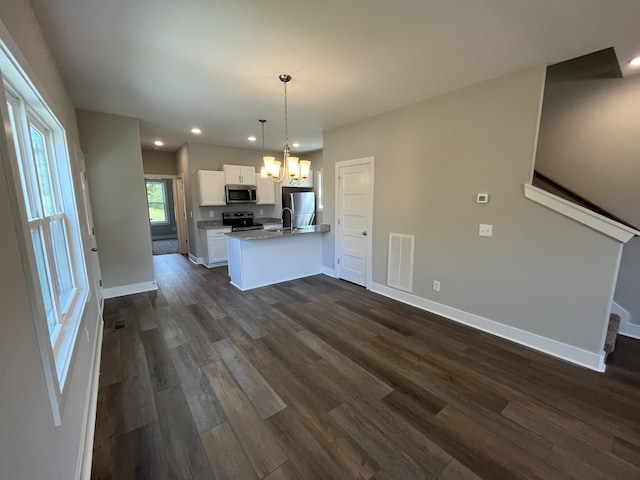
x: 262, y: 234
x: 210, y: 224
x: 264, y: 220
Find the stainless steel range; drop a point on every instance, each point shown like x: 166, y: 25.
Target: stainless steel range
x: 239, y: 221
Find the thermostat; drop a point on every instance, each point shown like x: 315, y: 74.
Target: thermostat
x: 483, y: 198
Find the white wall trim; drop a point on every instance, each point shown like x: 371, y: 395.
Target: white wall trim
x: 331, y: 272
x: 129, y: 289
x: 624, y: 315
x: 627, y: 328
x: 578, y: 356
x: 195, y: 260
x: 580, y: 214
x: 631, y: 330
x: 85, y: 456
x: 159, y: 176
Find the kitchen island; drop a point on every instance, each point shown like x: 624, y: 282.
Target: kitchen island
x: 263, y: 257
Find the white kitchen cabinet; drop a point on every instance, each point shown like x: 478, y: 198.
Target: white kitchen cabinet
x: 266, y: 191
x: 239, y: 175
x: 211, y: 188
x: 214, y: 242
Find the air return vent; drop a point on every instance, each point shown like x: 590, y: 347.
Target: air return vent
x: 400, y: 268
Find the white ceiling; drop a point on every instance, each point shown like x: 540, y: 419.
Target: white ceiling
x: 215, y: 63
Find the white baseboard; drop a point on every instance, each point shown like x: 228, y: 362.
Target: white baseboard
x: 624, y: 315
x: 631, y: 330
x: 196, y: 260
x: 627, y: 328
x: 123, y: 290
x: 85, y: 456
x: 329, y: 271
x: 593, y: 361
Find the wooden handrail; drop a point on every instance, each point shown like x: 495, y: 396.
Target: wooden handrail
x: 580, y: 200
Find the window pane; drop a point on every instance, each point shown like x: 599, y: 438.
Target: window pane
x: 64, y: 278
x: 156, y: 199
x: 43, y: 274
x: 30, y: 190
x: 42, y: 167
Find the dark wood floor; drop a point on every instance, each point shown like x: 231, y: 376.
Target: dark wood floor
x: 320, y: 379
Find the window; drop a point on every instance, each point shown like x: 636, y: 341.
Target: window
x: 157, y: 202
x: 51, y: 223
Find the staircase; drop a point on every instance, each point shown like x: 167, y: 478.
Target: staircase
x: 612, y: 334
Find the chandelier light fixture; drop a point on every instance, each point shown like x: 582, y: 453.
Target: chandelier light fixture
x: 295, y: 171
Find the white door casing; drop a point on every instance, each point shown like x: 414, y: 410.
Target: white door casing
x: 180, y: 214
x: 354, y: 212
x: 95, y: 272
x: 179, y: 209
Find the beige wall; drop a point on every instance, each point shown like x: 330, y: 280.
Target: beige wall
x: 30, y: 446
x: 540, y: 272
x: 156, y: 162
x: 590, y: 144
x: 111, y: 146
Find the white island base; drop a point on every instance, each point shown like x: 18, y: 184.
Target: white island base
x: 257, y: 262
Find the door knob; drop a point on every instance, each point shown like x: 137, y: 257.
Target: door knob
x: 364, y: 234
x: 94, y: 249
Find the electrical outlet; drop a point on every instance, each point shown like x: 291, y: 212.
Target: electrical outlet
x: 485, y: 230
x: 211, y: 213
x: 436, y: 285
x: 261, y: 211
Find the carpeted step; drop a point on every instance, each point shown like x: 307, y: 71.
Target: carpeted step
x: 612, y: 333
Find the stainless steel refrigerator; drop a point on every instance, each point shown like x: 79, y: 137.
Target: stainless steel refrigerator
x: 303, y: 205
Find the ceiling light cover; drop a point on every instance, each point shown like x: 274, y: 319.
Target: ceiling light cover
x: 196, y: 131
x: 158, y: 143
x: 635, y: 62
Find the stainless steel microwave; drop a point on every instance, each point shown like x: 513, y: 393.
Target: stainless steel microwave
x: 241, y: 193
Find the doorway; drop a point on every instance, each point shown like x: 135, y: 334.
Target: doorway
x: 354, y: 214
x: 164, y: 198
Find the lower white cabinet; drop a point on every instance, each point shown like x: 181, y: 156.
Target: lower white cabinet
x: 214, y: 241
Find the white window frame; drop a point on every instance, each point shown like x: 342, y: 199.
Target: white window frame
x: 163, y: 184
x: 57, y: 345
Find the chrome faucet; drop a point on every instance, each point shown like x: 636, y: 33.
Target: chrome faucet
x: 291, y: 216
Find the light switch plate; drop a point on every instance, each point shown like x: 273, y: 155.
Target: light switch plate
x: 485, y: 230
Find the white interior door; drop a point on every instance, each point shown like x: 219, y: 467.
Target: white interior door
x: 355, y: 209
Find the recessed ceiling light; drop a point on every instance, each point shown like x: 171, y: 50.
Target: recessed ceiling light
x: 252, y: 138
x: 196, y: 131
x: 295, y: 145
x: 635, y: 62
x: 158, y: 143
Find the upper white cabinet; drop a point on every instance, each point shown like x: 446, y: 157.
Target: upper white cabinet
x: 239, y: 175
x: 266, y: 191
x: 211, y: 188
